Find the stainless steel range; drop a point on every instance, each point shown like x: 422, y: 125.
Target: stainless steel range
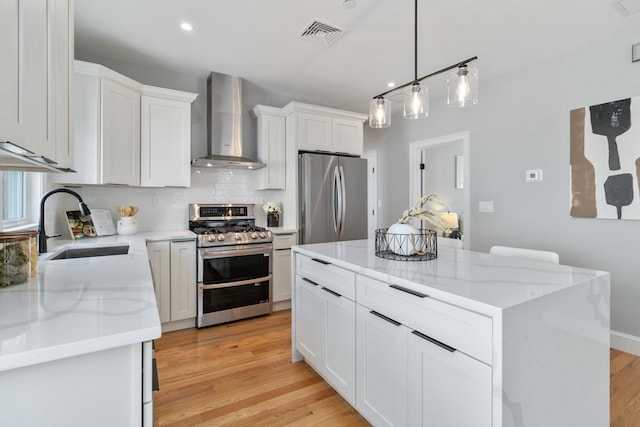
x: 234, y: 263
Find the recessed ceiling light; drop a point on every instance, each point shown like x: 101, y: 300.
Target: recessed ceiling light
x: 186, y: 26
x: 391, y: 84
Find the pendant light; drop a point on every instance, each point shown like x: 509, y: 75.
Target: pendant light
x: 462, y: 89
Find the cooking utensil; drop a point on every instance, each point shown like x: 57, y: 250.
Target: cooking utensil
x: 611, y: 120
x: 618, y: 191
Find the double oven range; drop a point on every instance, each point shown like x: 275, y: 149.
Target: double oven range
x: 234, y: 263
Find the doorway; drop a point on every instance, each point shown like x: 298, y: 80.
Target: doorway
x: 372, y: 192
x: 445, y: 172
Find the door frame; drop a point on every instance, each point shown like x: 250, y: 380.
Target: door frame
x: 372, y: 191
x: 415, y: 176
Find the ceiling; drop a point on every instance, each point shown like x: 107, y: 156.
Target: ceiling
x: 259, y: 39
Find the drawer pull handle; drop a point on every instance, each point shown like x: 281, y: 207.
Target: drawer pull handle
x: 409, y: 291
x: 434, y: 341
x: 331, y: 292
x: 383, y: 317
x: 320, y: 261
x: 310, y: 281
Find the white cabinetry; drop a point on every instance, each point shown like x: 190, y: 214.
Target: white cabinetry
x: 282, y: 268
x: 128, y: 133
x: 165, y: 138
x: 119, y: 115
x: 381, y: 352
x: 315, y: 128
x: 326, y: 323
x: 36, y: 39
x: 441, y: 377
x: 418, y: 361
x: 173, y: 265
x: 271, y: 147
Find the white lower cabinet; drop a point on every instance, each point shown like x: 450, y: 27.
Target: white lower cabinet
x: 282, y: 266
x: 326, y: 334
x: 381, y: 352
x: 173, y: 264
x: 417, y: 361
x: 446, y: 387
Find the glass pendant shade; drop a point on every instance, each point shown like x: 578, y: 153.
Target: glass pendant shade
x: 380, y: 113
x: 462, y: 87
x: 416, y: 101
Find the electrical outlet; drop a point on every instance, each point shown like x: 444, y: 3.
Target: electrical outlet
x: 534, y: 175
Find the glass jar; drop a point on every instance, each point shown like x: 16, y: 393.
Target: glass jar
x: 15, y: 258
x: 32, y: 235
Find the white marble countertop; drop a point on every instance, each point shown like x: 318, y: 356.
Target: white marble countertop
x: 82, y: 305
x: 474, y: 280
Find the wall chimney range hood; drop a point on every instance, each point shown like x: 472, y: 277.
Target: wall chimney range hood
x: 225, y: 117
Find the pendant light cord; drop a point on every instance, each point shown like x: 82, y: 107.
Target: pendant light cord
x: 415, y: 44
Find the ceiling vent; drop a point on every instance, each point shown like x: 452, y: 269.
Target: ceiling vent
x: 322, y: 33
x: 626, y: 7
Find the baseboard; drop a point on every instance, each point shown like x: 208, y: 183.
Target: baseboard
x: 625, y: 342
x: 179, y: 324
x: 282, y: 305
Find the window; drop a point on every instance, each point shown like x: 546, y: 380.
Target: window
x: 21, y: 192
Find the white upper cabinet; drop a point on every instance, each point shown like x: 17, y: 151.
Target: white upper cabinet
x: 315, y: 128
x: 165, y: 144
x: 271, y: 147
x: 120, y: 144
x: 36, y: 40
x: 127, y: 133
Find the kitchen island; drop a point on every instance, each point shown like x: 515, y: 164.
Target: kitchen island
x: 467, y: 339
x: 75, y: 341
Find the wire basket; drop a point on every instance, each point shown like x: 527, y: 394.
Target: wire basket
x: 422, y: 246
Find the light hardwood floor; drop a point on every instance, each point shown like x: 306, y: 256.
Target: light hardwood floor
x: 240, y: 374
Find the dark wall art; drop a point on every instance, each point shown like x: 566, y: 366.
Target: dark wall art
x: 605, y: 160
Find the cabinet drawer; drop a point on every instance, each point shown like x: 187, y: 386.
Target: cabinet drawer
x: 456, y: 327
x: 283, y: 241
x: 327, y: 275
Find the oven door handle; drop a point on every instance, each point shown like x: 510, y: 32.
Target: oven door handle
x: 234, y: 252
x: 236, y: 283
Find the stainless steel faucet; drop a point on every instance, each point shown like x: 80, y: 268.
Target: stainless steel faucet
x: 42, y: 235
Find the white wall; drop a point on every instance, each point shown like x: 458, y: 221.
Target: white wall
x: 520, y: 123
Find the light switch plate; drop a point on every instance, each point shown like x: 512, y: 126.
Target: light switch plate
x: 635, y: 52
x: 534, y: 175
x: 485, y: 206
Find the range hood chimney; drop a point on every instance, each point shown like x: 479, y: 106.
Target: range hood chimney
x: 224, y: 126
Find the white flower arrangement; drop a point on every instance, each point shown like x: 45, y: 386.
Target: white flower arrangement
x: 272, y: 208
x: 427, y: 208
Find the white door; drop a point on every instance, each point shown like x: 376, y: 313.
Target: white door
x: 381, y: 351
x: 310, y: 325
x: 340, y: 343
x: 120, y: 134
x: 183, y: 280
x: 447, y: 388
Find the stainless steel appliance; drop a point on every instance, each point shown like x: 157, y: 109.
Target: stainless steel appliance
x: 332, y: 198
x: 234, y: 263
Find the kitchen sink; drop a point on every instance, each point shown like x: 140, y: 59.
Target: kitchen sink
x: 91, y: 252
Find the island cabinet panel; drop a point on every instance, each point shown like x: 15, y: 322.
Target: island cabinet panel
x: 465, y: 330
x: 446, y: 387
x: 335, y: 278
x: 327, y: 322
x: 381, y: 352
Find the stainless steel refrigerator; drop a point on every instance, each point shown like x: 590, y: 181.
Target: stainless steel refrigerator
x: 332, y: 198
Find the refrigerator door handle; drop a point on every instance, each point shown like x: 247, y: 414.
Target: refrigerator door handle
x: 343, y: 197
x: 336, y: 200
